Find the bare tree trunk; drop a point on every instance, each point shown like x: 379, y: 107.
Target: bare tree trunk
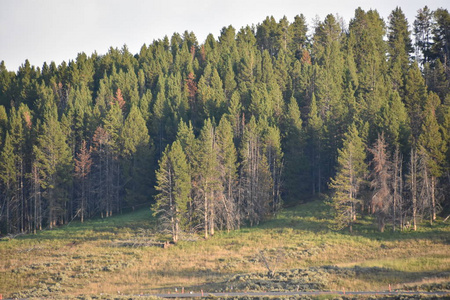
x: 433, y: 199
x: 83, y: 198
x: 319, y: 176
x: 414, y: 186
x: 50, y: 209
x: 36, y: 198
x: 8, y: 208
x: 22, y: 198
x: 206, y: 215
x: 176, y: 231
x: 117, y: 190
x: 212, y: 215
x: 397, y: 190
x: 239, y: 202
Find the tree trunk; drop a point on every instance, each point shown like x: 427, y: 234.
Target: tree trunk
x: 414, y: 186
x: 206, y: 216
x: 433, y: 200
x: 212, y: 216
x: 175, y: 236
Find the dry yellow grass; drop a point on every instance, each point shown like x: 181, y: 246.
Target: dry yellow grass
x: 85, y: 259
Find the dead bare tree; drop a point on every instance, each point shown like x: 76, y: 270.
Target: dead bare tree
x: 271, y: 261
x: 397, y: 189
x: 381, y: 175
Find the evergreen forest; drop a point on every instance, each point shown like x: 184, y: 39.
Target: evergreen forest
x: 223, y: 134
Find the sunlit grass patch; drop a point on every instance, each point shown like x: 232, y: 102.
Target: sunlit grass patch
x: 97, y: 257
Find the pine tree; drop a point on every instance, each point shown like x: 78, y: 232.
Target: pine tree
x: 160, y: 112
x: 136, y: 157
x: 83, y: 164
x: 367, y: 30
x: 15, y: 156
x: 433, y: 147
x: 229, y: 81
x: 235, y: 116
x: 54, y: 161
x: 330, y: 64
x: 144, y: 105
x: 186, y: 137
x: 268, y: 35
x: 412, y: 185
x: 104, y: 172
x: 398, y: 204
x: 423, y: 34
x: 228, y: 209
x: 298, y: 30
x: 436, y: 79
x: 173, y: 184
x: 315, y: 131
x: 285, y: 36
x: 211, y: 94
x: 441, y: 38
x: 256, y: 182
x: 415, y: 98
x: 9, y: 182
x: 274, y: 155
x: 189, y: 144
x: 6, y: 84
x: 393, y: 121
x: 295, y: 166
x: 261, y: 104
x: 3, y: 124
x: 111, y: 148
x: 207, y: 173
x: 351, y: 170
x: 399, y: 48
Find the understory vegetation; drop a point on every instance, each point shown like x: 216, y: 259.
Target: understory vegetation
x: 125, y: 255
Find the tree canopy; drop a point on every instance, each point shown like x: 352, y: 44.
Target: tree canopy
x: 221, y: 134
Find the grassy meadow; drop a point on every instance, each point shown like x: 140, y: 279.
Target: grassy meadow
x: 112, y: 256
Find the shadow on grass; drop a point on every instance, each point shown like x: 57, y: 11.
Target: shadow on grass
x: 316, y: 217
x: 97, y: 228
x: 306, y: 279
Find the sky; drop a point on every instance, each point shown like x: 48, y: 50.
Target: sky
x: 57, y: 30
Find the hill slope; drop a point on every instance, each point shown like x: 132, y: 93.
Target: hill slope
x: 122, y: 254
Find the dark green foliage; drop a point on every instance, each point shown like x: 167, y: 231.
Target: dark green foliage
x: 54, y: 164
x: 399, y: 48
x: 173, y: 183
x: 296, y: 169
x: 278, y: 106
x: 423, y: 26
x: 440, y: 48
x: 415, y: 98
x: 137, y: 158
x: 298, y: 30
x: 347, y: 183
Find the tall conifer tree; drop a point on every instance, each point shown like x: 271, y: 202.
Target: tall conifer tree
x: 346, y: 184
x: 54, y: 161
x: 433, y: 147
x: 173, y: 184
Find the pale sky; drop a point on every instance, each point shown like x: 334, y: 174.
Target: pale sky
x: 57, y: 30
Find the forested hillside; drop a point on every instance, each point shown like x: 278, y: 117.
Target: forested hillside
x: 224, y: 133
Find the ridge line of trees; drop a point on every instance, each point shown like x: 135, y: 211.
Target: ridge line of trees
x: 221, y: 134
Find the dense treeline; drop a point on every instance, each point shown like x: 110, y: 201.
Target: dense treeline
x: 223, y: 133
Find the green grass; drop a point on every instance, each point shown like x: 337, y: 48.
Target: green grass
x: 88, y: 259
